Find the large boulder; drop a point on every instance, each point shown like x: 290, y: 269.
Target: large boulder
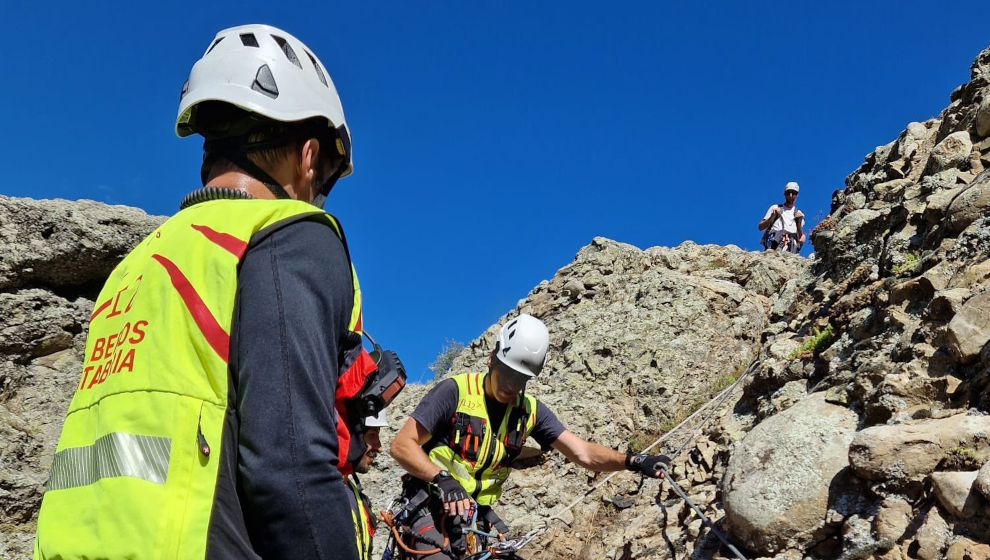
x: 913, y: 450
x: 952, y: 152
x: 970, y: 205
x: 969, y: 330
x: 776, y: 488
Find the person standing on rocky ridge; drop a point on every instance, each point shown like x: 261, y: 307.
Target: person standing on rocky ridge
x: 203, y: 425
x: 451, y: 451
x: 783, y: 224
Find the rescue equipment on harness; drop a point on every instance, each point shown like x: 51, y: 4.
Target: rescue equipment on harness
x: 484, y: 532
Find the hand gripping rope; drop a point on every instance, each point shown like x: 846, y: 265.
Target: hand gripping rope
x: 713, y: 405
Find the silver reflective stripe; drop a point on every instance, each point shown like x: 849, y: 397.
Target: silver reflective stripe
x: 116, y: 454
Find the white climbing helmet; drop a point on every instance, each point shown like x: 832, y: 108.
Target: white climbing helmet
x: 266, y: 71
x: 377, y: 421
x: 522, y: 344
x: 792, y: 186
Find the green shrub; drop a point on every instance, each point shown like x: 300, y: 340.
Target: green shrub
x: 641, y: 439
x: 723, y: 383
x: 445, y: 358
x: 911, y: 261
x: 819, y: 341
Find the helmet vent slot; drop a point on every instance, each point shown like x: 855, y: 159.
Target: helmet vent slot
x: 264, y: 82
x: 215, y: 43
x: 319, y: 71
x: 287, y: 49
x: 249, y: 40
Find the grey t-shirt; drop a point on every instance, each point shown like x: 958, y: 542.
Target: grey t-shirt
x: 438, y: 407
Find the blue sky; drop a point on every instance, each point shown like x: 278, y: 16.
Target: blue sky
x: 493, y: 140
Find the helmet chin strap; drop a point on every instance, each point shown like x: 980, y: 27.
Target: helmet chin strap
x: 241, y: 160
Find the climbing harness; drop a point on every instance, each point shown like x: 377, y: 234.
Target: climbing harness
x: 481, y: 544
x: 765, y: 238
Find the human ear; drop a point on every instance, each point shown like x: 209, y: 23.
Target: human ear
x: 310, y: 158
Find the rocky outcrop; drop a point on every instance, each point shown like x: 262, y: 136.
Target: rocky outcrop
x: 67, y: 247
x: 639, y: 338
x: 894, y: 322
x: 914, y: 449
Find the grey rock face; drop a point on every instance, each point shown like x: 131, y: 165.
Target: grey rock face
x: 982, y: 482
x: 969, y: 205
x: 933, y: 536
x: 779, y: 477
x: 63, y: 244
x: 637, y: 349
x: 906, y: 451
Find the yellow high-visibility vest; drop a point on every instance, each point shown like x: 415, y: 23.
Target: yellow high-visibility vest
x: 477, y: 456
x: 362, y: 518
x: 136, y: 465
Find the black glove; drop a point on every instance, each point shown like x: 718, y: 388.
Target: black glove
x: 446, y: 488
x: 648, y: 465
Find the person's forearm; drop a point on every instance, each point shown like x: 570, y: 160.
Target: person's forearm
x: 412, y: 459
x: 599, y: 458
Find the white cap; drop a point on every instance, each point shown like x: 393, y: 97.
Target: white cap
x: 378, y: 421
x: 266, y: 71
x: 792, y: 186
x: 522, y: 345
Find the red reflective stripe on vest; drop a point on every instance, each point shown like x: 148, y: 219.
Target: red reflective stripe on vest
x: 217, y: 338
x: 100, y: 309
x: 232, y: 244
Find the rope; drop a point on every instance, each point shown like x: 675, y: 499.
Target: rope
x: 718, y: 533
x: 544, y: 524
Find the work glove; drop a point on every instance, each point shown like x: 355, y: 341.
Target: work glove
x: 648, y: 465
x: 451, y: 494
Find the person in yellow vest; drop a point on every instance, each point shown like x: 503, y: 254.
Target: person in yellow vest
x: 203, y: 424
x: 362, y: 512
x: 461, y: 439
